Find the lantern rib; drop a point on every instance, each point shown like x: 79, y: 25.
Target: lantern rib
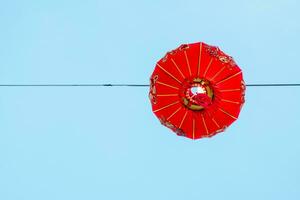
x: 193, y: 128
x: 229, y: 101
x: 173, y: 61
x: 226, y: 100
x: 166, y: 106
x: 173, y: 113
x: 204, y: 123
x: 208, y: 66
x: 219, y: 72
x: 188, y: 63
x: 171, y: 75
x: 228, y: 78
x: 213, y: 119
x: 165, y: 84
x: 183, y: 119
x: 199, y: 60
x: 230, y: 90
x: 227, y: 113
x: 167, y: 95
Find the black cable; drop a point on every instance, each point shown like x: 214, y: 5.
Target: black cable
x: 135, y: 85
x: 274, y: 85
x: 74, y: 85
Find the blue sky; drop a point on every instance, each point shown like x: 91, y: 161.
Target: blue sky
x: 105, y: 143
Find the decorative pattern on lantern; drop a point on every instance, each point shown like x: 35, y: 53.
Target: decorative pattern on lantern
x: 197, y: 90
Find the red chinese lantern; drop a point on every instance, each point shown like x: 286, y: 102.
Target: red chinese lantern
x: 197, y: 90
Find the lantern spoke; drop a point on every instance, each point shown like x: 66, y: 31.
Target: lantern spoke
x: 173, y: 113
x: 177, y: 68
x: 165, y: 84
x: 167, y: 95
x: 171, y: 75
x: 213, y: 119
x: 199, y: 60
x: 204, y: 123
x: 228, y: 78
x: 229, y: 101
x: 219, y: 72
x: 187, y: 62
x: 193, y: 128
x: 230, y: 90
x: 227, y: 113
x: 208, y: 66
x: 183, y: 119
x: 162, y: 108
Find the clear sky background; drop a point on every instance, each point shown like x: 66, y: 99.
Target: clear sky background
x: 105, y: 143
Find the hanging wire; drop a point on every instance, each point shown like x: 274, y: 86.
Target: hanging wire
x: 135, y: 85
x: 274, y: 85
x: 74, y: 85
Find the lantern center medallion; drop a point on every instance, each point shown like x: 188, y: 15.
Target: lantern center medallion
x: 197, y: 95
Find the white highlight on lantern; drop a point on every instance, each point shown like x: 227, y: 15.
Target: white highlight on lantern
x: 198, y: 90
